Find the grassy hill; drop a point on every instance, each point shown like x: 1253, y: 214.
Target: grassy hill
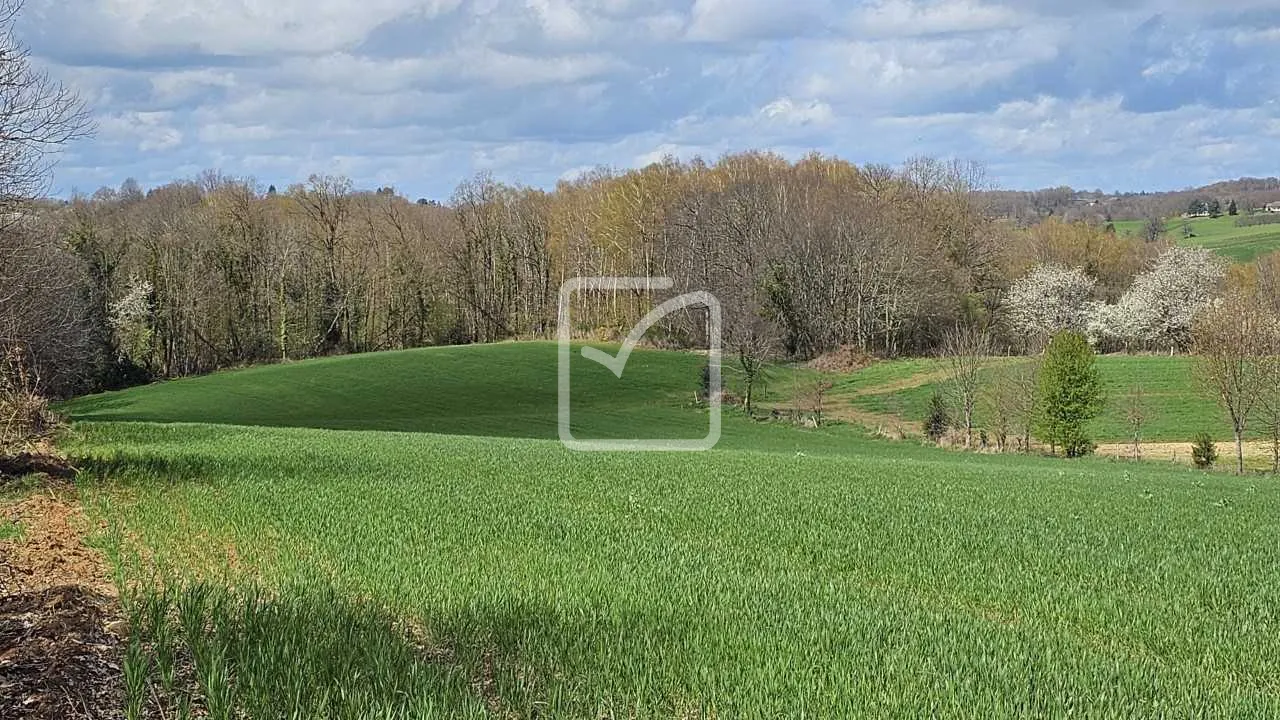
x: 502, y: 390
x: 467, y: 565
x: 1241, y: 244
x: 1176, y: 408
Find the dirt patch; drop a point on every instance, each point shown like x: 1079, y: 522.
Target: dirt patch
x: 49, y: 550
x: 57, y: 658
x: 1257, y: 454
x: 13, y: 467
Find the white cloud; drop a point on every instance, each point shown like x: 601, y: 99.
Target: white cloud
x: 229, y: 27
x: 910, y: 18
x: 731, y: 20
x: 560, y: 21
x: 1257, y: 37
x: 421, y: 93
x: 798, y: 113
x: 151, y: 131
x: 173, y: 86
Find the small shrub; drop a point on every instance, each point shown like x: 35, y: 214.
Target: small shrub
x: 1204, y: 452
x: 938, y: 419
x: 24, y: 414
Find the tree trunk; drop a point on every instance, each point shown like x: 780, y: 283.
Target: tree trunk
x: 1239, y: 432
x: 1275, y: 451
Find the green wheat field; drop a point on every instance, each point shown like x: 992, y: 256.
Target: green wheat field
x: 401, y: 535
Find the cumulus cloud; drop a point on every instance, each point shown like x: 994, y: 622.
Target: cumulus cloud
x: 421, y: 93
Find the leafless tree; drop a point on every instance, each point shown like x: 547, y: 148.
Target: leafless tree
x: 1233, y: 343
x: 1268, y: 415
x: 1009, y: 403
x: 41, y: 308
x: 1153, y: 229
x: 818, y: 392
x: 967, y: 350
x: 38, y: 117
x: 1136, y: 414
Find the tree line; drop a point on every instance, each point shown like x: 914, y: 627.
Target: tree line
x: 806, y: 256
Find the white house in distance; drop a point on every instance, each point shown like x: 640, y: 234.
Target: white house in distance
x: 1273, y: 207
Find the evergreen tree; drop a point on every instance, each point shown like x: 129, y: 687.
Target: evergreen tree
x: 938, y: 418
x: 1204, y: 452
x: 1070, y: 394
x: 1232, y: 208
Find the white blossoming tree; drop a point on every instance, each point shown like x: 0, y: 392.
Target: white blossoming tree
x: 1160, y: 307
x: 131, y: 317
x: 1049, y: 299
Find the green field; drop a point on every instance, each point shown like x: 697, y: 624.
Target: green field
x: 1241, y: 244
x: 398, y: 535
x: 1177, y: 408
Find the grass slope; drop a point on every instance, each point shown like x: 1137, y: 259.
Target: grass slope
x: 1176, y: 409
x: 361, y: 573
x: 504, y: 390
x: 1241, y: 244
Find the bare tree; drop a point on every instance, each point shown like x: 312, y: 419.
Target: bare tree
x: 1136, y: 415
x: 326, y: 201
x: 1268, y: 414
x: 1232, y: 342
x: 38, y: 116
x: 1153, y: 229
x: 753, y: 340
x: 818, y: 394
x: 1009, y: 402
x: 42, y: 311
x: 967, y: 350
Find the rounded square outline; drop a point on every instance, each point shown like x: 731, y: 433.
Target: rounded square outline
x: 565, y: 354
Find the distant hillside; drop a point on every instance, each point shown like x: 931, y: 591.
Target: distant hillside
x: 1030, y: 206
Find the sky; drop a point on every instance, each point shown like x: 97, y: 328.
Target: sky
x: 422, y: 94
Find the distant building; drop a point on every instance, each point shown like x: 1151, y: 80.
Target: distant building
x: 1273, y: 207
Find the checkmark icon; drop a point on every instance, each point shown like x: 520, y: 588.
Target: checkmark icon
x: 617, y: 363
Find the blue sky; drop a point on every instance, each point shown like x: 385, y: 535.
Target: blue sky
x: 420, y: 94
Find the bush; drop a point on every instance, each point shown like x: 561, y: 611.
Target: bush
x: 1070, y: 394
x: 24, y: 413
x: 938, y: 419
x: 1204, y: 453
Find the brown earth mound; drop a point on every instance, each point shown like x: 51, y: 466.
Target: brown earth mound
x: 22, y: 464
x: 59, y: 656
x: 49, y: 550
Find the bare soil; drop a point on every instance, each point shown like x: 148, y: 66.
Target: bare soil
x: 60, y: 648
x: 57, y: 657
x: 13, y: 467
x: 1257, y: 454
